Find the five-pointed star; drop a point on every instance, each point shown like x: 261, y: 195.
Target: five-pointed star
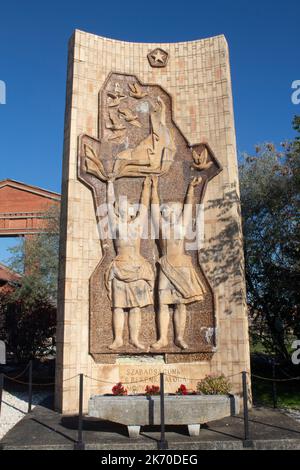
x: 158, y: 57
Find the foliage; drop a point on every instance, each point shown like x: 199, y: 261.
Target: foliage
x: 152, y: 390
x: 287, y: 390
x: 28, y: 331
x: 270, y: 184
x: 214, y: 385
x: 119, y: 390
x: 28, y: 311
x: 39, y: 253
x: 3, y: 308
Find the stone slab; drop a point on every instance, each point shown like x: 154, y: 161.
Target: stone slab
x: 142, y: 410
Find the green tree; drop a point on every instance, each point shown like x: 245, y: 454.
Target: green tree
x: 36, y: 258
x: 28, y: 312
x: 27, y: 329
x: 270, y: 209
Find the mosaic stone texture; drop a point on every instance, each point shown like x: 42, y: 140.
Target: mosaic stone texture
x: 196, y: 81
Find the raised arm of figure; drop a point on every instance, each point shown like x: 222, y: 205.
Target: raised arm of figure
x: 145, y: 200
x: 140, y: 221
x: 189, y: 202
x: 155, y: 209
x: 111, y: 199
x: 163, y: 110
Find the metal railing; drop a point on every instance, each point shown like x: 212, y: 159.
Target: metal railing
x: 162, y: 443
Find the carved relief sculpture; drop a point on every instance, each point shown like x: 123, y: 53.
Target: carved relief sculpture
x: 178, y: 284
x: 129, y: 278
x: 136, y: 91
x: 146, y: 127
x: 158, y: 57
x: 142, y: 279
x: 154, y: 154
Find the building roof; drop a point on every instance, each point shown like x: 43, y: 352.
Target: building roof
x: 7, y: 274
x: 24, y: 208
x: 30, y: 188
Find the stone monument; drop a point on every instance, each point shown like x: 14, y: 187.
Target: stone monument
x: 151, y: 263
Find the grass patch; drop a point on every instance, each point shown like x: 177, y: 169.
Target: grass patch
x: 288, y: 393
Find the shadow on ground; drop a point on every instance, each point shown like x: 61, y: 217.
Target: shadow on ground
x: 46, y: 429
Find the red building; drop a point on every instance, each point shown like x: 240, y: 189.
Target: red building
x: 8, y: 278
x: 23, y: 208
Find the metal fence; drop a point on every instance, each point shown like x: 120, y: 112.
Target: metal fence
x: 162, y: 443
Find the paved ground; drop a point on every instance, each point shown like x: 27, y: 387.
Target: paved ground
x: 295, y: 414
x: 45, y: 429
x: 15, y: 406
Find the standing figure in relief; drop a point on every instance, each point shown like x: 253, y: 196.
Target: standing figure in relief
x: 129, y: 278
x: 179, y: 283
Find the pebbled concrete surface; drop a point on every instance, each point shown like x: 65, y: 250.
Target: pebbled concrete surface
x: 46, y: 429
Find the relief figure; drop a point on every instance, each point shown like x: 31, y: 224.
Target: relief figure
x: 129, y: 278
x: 178, y: 282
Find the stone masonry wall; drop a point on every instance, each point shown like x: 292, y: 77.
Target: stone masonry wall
x: 197, y: 76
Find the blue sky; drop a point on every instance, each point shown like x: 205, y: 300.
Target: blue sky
x: 263, y: 37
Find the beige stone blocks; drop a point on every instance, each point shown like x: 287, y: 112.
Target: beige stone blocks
x: 197, y: 76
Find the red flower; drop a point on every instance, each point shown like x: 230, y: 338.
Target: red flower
x: 119, y: 389
x: 152, y: 390
x: 182, y: 390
